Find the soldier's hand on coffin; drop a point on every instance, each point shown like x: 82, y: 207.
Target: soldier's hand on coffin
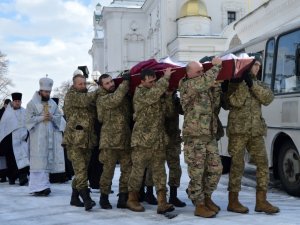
x: 216, y: 61
x: 224, y: 86
x: 248, y: 79
x: 168, y: 72
x: 216, y: 83
x: 126, y: 75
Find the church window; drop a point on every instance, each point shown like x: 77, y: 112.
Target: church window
x: 231, y: 15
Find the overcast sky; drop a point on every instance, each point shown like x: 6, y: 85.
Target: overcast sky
x: 43, y: 37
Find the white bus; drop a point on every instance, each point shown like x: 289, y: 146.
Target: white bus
x: 281, y: 71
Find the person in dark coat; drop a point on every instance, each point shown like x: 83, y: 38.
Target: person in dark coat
x: 3, y: 172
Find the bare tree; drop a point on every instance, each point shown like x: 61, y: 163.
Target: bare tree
x: 5, y: 82
x: 61, y: 91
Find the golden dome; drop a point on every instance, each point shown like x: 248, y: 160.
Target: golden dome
x: 193, y: 8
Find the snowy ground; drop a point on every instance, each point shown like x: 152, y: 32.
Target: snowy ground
x: 18, y: 207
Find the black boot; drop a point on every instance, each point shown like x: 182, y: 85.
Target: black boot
x: 3, y: 179
x: 23, y: 180
x: 43, y: 193
x: 122, y: 201
x: 149, y: 197
x: 142, y: 194
x: 87, y: 201
x: 75, y: 200
x: 3, y: 174
x: 104, y: 202
x: 173, y: 198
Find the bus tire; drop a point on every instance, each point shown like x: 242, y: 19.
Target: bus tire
x: 226, y: 162
x: 289, y: 168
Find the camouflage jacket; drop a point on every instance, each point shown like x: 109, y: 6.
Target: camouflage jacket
x: 80, y: 111
x: 114, y: 113
x: 199, y: 102
x: 149, y: 113
x: 245, y: 117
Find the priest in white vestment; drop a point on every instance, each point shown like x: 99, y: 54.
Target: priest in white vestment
x: 44, y: 120
x: 13, y: 141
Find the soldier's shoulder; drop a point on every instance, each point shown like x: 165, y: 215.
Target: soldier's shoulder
x: 139, y: 90
x: 182, y: 81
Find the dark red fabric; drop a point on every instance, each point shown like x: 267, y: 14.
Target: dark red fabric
x: 142, y: 65
x: 230, y: 69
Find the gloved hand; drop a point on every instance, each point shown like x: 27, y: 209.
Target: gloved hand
x: 224, y: 86
x: 126, y: 75
x: 248, y: 80
x: 237, y: 80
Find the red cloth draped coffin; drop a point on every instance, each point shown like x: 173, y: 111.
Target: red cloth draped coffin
x: 231, y: 68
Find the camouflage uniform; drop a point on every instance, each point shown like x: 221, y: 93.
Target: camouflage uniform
x: 148, y: 136
x: 114, y: 112
x: 199, y: 102
x: 246, y: 128
x: 173, y: 148
x: 172, y: 110
x: 79, y: 137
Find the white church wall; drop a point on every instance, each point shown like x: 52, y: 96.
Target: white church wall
x: 124, y: 40
x: 135, y: 34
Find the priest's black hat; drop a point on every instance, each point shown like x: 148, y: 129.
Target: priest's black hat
x: 16, y: 96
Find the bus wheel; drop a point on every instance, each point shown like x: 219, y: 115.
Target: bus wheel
x: 289, y: 168
x: 226, y: 162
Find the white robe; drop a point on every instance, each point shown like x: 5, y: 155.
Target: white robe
x: 46, y: 152
x: 13, y: 122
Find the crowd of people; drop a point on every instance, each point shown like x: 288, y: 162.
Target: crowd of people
x: 141, y: 133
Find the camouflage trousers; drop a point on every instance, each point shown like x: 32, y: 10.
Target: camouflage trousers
x: 148, y: 178
x: 154, y: 160
x: 204, y: 167
x: 80, y: 158
x: 173, y: 162
x: 256, y: 148
x: 109, y: 158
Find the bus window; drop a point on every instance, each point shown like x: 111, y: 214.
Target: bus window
x: 286, y: 80
x: 269, y: 56
x: 298, y: 62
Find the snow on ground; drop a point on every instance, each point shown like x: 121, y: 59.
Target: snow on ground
x: 18, y: 207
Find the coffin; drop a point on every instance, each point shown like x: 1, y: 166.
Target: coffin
x: 231, y: 68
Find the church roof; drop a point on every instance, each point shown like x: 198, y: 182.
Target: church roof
x: 127, y: 3
x: 193, y: 8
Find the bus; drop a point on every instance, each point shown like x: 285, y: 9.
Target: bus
x: 280, y: 50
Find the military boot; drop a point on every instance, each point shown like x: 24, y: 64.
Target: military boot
x: 234, y: 205
x: 210, y: 204
x: 202, y: 211
x: 173, y: 198
x: 163, y: 206
x: 75, y: 200
x: 87, y: 201
x: 133, y: 202
x: 123, y: 197
x: 262, y: 205
x: 104, y: 202
x: 149, y: 197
